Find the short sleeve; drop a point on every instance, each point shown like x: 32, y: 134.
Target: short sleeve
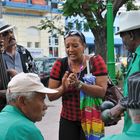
x: 56, y: 70
x: 98, y: 66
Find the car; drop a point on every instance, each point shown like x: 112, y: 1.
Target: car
x: 44, y: 65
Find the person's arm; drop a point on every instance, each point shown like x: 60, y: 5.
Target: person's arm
x: 98, y: 69
x: 58, y: 85
x: 97, y: 90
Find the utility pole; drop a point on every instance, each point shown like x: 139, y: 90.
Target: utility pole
x: 110, y: 42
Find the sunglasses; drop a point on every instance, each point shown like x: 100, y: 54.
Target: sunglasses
x: 76, y: 33
x: 7, y: 32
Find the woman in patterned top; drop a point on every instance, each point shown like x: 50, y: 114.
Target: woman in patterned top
x: 67, y: 75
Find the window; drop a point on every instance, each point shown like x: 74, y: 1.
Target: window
x: 53, y: 46
x: 29, y: 44
x: 56, y: 40
x: 54, y: 5
x: 53, y: 40
x: 53, y: 51
x: 33, y: 37
x: 49, y: 40
x: 37, y: 44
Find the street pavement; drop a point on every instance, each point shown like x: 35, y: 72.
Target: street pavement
x: 50, y: 122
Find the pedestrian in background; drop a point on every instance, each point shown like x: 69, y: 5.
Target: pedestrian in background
x: 132, y: 104
x: 67, y: 77
x: 16, y: 58
x: 26, y: 105
x: 13, y: 58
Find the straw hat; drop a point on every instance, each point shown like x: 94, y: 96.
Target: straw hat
x: 4, y: 26
x: 128, y: 21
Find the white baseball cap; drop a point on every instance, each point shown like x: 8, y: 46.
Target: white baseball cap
x: 27, y: 82
x: 4, y: 26
x: 128, y: 21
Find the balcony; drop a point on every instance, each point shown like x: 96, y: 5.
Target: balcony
x: 34, y: 5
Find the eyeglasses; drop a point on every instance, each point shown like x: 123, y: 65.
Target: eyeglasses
x: 7, y: 32
x: 76, y: 33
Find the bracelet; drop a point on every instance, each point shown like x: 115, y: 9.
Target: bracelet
x: 80, y: 84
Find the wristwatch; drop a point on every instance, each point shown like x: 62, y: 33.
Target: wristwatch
x: 80, y: 84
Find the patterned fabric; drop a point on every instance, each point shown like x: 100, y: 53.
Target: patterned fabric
x: 71, y: 98
x: 91, y: 121
x: 134, y: 66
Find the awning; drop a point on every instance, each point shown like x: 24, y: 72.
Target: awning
x: 117, y: 41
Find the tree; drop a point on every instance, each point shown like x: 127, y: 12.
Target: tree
x: 92, y: 11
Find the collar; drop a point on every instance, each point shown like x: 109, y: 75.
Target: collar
x: 12, y: 109
x: 138, y: 50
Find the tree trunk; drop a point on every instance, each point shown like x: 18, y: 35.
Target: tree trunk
x: 100, y: 42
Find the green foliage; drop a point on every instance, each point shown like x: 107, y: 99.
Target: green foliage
x: 131, y: 6
x: 49, y: 24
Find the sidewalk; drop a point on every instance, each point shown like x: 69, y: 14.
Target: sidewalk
x: 50, y: 123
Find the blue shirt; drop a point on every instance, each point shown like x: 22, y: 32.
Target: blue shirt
x: 13, y: 62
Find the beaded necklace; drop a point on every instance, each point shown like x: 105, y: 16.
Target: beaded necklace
x: 79, y: 73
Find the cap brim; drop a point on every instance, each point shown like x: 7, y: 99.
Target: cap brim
x: 47, y: 90
x: 8, y: 28
x: 128, y: 29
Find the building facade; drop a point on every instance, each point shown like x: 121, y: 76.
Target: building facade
x: 26, y: 16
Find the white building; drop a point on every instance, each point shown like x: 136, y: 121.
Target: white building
x: 26, y: 16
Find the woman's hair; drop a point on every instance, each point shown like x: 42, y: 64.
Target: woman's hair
x: 75, y: 33
x: 11, y: 97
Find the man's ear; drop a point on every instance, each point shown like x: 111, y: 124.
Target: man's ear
x: 21, y: 100
x: 132, y: 37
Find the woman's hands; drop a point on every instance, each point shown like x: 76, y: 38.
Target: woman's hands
x: 69, y: 80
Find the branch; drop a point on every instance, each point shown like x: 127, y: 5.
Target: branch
x: 116, y: 5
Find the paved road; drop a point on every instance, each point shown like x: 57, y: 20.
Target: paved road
x: 50, y: 122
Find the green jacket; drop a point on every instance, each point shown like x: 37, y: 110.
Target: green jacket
x: 133, y: 67
x: 133, y: 133
x: 15, y: 126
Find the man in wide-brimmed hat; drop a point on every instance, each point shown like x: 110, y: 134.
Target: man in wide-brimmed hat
x: 16, y: 57
x: 132, y: 105
x: 129, y: 30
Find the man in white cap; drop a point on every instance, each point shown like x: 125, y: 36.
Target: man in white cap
x: 26, y: 105
x: 132, y: 105
x: 16, y: 58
